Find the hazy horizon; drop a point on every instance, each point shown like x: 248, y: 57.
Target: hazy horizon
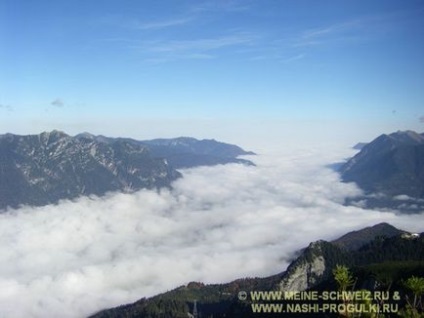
x: 243, y: 72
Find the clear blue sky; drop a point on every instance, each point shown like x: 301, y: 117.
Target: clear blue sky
x: 210, y: 68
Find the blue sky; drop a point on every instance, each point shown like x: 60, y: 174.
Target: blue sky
x: 225, y: 69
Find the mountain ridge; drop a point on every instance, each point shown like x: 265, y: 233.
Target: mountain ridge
x: 388, y: 167
x: 311, y: 269
x: 44, y: 168
x: 186, y: 152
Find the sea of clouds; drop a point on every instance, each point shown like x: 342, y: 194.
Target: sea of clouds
x: 216, y: 224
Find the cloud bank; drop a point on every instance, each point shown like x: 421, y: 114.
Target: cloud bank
x: 217, y: 224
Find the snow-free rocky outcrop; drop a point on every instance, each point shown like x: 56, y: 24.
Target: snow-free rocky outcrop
x: 306, y: 271
x: 41, y: 169
x: 316, y: 262
x: 310, y: 270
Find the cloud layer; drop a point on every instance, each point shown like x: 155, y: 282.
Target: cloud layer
x: 217, y: 224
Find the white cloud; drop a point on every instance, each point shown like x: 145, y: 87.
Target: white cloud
x: 161, y: 24
x: 218, y: 224
x: 202, y: 44
x: 345, y: 32
x: 294, y: 58
x: 164, y: 51
x: 233, y: 6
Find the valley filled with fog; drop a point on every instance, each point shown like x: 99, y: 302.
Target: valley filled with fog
x: 217, y: 224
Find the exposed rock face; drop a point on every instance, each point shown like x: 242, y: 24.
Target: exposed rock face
x: 315, y: 263
x: 304, y: 275
x: 42, y: 169
x: 311, y: 267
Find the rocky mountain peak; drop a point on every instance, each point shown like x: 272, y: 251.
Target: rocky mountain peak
x: 356, y: 239
x: 408, y: 137
x: 315, y: 263
x: 309, y: 268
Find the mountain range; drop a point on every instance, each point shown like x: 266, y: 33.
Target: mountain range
x: 375, y: 254
x: 390, y: 170
x: 186, y: 152
x: 45, y: 168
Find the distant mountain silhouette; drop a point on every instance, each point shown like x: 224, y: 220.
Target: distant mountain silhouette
x: 391, y: 168
x: 186, y: 152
